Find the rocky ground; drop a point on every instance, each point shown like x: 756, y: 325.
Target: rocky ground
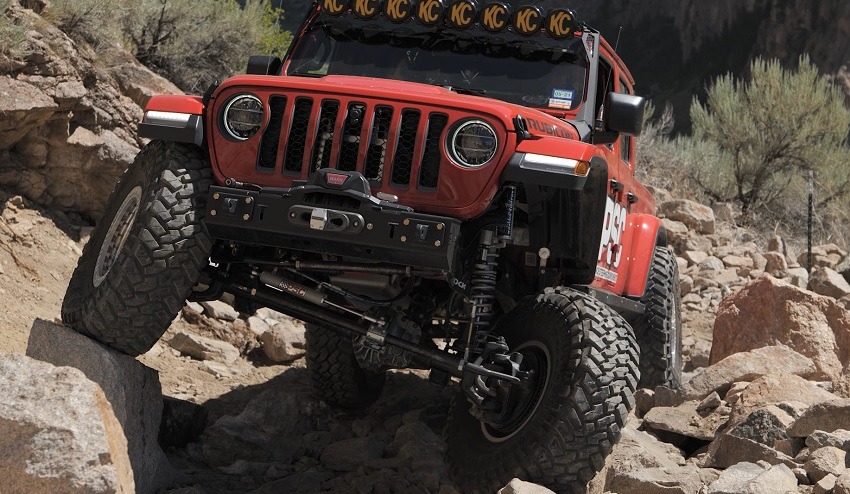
x: 767, y: 362
x: 766, y: 407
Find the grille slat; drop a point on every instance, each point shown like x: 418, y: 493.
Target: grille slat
x: 297, y: 142
x: 349, y: 147
x: 325, y: 132
x: 429, y: 173
x: 378, y: 140
x: 405, y: 147
x: 270, y: 141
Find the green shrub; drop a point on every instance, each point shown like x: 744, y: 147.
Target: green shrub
x: 13, y: 39
x: 767, y: 132
x: 192, y: 43
x: 96, y: 22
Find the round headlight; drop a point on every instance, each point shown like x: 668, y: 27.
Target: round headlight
x: 243, y: 116
x: 473, y: 144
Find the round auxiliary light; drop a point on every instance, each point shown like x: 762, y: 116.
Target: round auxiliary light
x: 473, y: 144
x: 243, y: 116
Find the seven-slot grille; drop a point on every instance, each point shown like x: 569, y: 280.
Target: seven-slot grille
x: 401, y: 145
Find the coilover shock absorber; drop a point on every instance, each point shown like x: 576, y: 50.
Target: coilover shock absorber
x: 485, y: 272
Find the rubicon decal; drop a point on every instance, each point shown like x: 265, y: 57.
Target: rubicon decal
x: 546, y: 128
x: 613, y: 227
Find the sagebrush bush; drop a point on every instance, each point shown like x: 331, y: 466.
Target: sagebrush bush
x: 192, y: 43
x: 754, y: 141
x: 767, y: 131
x: 13, y: 40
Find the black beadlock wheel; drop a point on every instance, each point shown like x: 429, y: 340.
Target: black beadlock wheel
x: 335, y: 375
x: 585, y: 358
x: 659, y: 331
x: 146, y: 253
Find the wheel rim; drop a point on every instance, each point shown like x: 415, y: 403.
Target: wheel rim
x: 116, y: 235
x: 536, y: 357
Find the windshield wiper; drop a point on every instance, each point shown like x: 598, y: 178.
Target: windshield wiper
x: 465, y: 90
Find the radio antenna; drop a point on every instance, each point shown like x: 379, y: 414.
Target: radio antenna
x: 616, y: 45
x: 600, y: 118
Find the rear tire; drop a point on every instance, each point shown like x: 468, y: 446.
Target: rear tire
x: 659, y: 330
x: 146, y: 253
x: 335, y: 375
x: 590, y: 359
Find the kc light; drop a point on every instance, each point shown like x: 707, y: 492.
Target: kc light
x: 243, y: 116
x: 472, y: 144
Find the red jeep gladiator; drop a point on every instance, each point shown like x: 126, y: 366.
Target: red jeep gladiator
x: 428, y: 184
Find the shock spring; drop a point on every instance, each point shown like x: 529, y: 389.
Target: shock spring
x: 482, y: 288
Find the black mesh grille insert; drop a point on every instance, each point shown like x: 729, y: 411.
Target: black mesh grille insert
x: 377, y: 150
x: 324, y: 135
x: 429, y: 174
x: 294, y: 157
x: 271, y: 137
x: 350, y: 146
x: 403, y: 162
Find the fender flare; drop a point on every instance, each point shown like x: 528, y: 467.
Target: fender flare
x: 648, y: 232
x: 174, y: 118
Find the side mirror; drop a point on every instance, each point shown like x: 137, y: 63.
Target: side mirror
x: 624, y: 113
x: 263, y: 65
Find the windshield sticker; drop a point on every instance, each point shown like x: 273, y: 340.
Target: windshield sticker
x: 561, y: 104
x: 562, y: 94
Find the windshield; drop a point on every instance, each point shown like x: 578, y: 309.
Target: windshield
x: 517, y: 70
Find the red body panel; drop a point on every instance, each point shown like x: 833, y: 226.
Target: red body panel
x: 178, y: 103
x: 644, y: 236
x: 461, y: 192
x: 566, y: 148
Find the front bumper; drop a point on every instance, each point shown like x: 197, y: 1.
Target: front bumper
x: 336, y: 221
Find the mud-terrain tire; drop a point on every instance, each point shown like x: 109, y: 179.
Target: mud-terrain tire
x: 335, y: 375
x: 659, y: 330
x: 588, y: 358
x: 146, y: 253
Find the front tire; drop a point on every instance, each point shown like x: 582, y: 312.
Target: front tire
x: 586, y: 358
x: 146, y: 253
x: 335, y: 375
x: 659, y: 330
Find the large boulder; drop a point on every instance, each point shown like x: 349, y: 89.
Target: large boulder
x: 270, y: 428
x: 777, y: 388
x: 746, y: 366
x: 829, y: 282
x: 750, y: 478
x: 23, y: 107
x: 637, y: 450
x: 58, y: 432
x: 677, y: 480
x: 132, y: 388
x: 827, y: 416
x: 693, y: 214
x: 768, y: 312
